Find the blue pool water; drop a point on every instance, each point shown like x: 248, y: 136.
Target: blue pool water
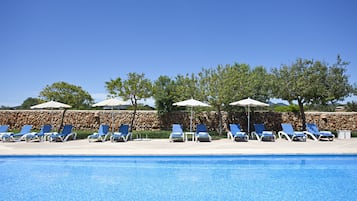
x: 292, y: 177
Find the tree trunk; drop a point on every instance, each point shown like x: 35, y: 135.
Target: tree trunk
x: 219, y: 121
x: 134, y: 114
x: 302, y: 113
x: 61, y: 124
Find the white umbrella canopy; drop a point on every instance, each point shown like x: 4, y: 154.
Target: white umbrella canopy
x: 191, y: 103
x: 112, y: 102
x: 51, y: 105
x: 248, y: 102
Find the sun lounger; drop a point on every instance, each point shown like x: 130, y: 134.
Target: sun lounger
x: 177, y: 133
x: 315, y: 134
x: 291, y: 135
x: 235, y: 133
x: 122, y: 135
x: 263, y: 135
x: 65, y: 135
x: 14, y: 137
x: 101, y: 135
x: 40, y: 136
x: 4, y: 130
x: 202, y: 134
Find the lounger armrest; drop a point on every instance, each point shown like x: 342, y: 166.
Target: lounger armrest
x: 176, y: 133
x: 229, y: 134
x: 299, y: 132
x: 327, y: 132
x: 74, y: 135
x: 203, y: 134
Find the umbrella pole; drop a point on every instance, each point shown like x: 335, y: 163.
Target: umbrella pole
x: 52, y: 118
x: 248, y: 120
x: 112, y: 119
x: 191, y: 120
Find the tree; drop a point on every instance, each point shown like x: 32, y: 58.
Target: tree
x: 338, y: 86
x: 238, y: 83
x: 164, y: 94
x: 261, y: 82
x: 167, y: 91
x: 351, y: 106
x: 212, y: 87
x: 67, y: 93
x: 308, y: 81
x: 30, y: 102
x: 134, y: 88
x: 223, y: 85
x: 186, y: 87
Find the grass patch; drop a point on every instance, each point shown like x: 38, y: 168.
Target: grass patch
x: 161, y: 134
x: 83, y: 134
x: 165, y: 134
x: 152, y: 134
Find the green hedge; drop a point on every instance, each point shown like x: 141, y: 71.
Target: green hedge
x: 147, y: 134
x: 166, y: 134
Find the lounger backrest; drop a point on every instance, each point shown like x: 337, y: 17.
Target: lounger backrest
x: 124, y: 129
x: 288, y: 129
x: 67, y: 129
x: 176, y: 128
x: 312, y: 128
x: 25, y: 129
x: 100, y: 130
x: 234, y: 128
x: 45, y: 129
x: 4, y: 128
x: 201, y: 128
x: 103, y: 129
x: 259, y: 128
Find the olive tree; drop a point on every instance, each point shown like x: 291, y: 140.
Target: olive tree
x: 307, y: 81
x: 186, y: 87
x: 134, y: 88
x: 225, y: 84
x: 211, y: 86
x: 164, y: 94
x: 67, y: 93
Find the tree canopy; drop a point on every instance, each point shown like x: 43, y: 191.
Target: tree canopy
x: 134, y: 88
x: 225, y: 84
x: 67, y: 93
x: 29, y: 102
x: 307, y: 81
x: 164, y: 94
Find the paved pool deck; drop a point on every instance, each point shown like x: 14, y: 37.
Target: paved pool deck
x: 164, y: 147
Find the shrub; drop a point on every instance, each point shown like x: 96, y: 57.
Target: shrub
x: 288, y: 108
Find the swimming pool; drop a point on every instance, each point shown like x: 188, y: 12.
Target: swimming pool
x: 256, y: 177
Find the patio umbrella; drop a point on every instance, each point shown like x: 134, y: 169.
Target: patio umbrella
x: 191, y: 103
x: 113, y: 102
x: 51, y: 105
x: 249, y: 103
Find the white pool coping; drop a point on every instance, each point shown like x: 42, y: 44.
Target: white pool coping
x: 164, y: 147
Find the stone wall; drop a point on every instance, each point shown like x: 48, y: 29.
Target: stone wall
x: 149, y: 120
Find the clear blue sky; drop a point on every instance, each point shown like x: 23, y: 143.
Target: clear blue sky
x: 89, y: 42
